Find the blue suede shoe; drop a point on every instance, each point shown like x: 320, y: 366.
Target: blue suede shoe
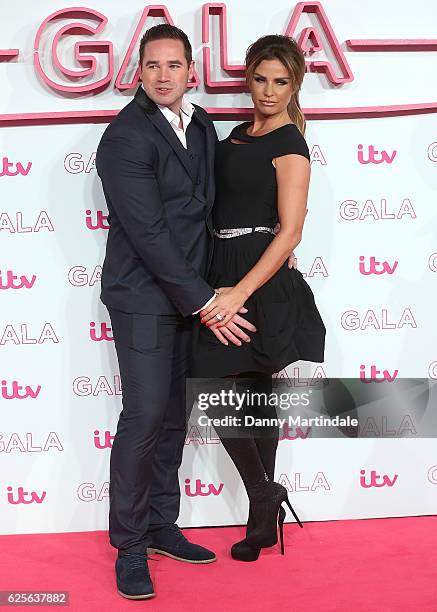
x: 170, y: 541
x: 133, y: 578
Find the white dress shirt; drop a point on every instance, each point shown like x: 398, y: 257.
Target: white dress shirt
x: 187, y: 110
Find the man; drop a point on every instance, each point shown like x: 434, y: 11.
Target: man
x: 156, y: 163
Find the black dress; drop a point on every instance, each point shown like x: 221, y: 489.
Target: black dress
x: 289, y: 326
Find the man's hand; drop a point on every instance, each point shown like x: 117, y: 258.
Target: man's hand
x: 292, y: 262
x: 232, y: 332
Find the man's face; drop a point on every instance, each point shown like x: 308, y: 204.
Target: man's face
x: 165, y: 72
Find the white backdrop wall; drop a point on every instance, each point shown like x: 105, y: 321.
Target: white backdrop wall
x: 55, y: 442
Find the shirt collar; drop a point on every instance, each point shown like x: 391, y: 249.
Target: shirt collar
x: 187, y: 109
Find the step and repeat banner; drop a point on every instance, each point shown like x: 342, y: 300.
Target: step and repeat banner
x: 369, y: 249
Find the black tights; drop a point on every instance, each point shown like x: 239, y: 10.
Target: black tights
x: 252, y: 449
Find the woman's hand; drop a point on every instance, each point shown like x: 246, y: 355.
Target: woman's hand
x: 227, y: 303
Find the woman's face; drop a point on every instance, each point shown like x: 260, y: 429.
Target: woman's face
x: 271, y: 87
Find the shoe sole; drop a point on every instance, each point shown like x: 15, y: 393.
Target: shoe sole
x: 247, y: 560
x: 151, y: 551
x: 145, y: 596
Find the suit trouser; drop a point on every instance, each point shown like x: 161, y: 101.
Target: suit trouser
x: 153, y: 354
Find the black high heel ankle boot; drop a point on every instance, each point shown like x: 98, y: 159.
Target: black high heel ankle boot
x: 265, y: 504
x: 242, y: 551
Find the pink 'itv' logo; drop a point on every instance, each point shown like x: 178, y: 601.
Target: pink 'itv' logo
x: 373, y: 376
x: 106, y: 442
x: 9, y: 280
x: 101, y: 220
x: 293, y: 433
x: 374, y: 156
x: 10, y: 169
x: 201, y: 489
x: 376, y: 267
x: 376, y: 480
x: 105, y: 332
x: 15, y: 391
x: 24, y: 497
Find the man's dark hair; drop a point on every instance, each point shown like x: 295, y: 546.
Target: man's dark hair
x: 162, y: 31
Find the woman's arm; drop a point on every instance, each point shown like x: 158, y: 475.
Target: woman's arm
x: 292, y: 176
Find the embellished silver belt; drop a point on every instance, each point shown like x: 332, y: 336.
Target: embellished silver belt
x: 240, y: 231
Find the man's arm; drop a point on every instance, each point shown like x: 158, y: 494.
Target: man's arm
x: 125, y: 165
x: 205, y: 305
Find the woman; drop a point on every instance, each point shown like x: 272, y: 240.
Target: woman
x: 262, y: 178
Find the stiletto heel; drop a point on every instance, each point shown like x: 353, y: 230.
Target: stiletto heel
x: 287, y: 501
x: 266, y: 506
x: 281, y: 531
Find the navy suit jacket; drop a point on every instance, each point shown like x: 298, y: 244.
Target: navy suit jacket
x: 149, y: 185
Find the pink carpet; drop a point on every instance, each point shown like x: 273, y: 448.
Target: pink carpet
x: 381, y: 564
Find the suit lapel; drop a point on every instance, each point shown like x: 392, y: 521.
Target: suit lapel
x: 210, y: 155
x: 164, y: 127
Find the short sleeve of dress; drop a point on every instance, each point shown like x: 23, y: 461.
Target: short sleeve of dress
x: 287, y: 141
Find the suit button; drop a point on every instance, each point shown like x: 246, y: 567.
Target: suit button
x: 198, y: 181
x: 191, y: 156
